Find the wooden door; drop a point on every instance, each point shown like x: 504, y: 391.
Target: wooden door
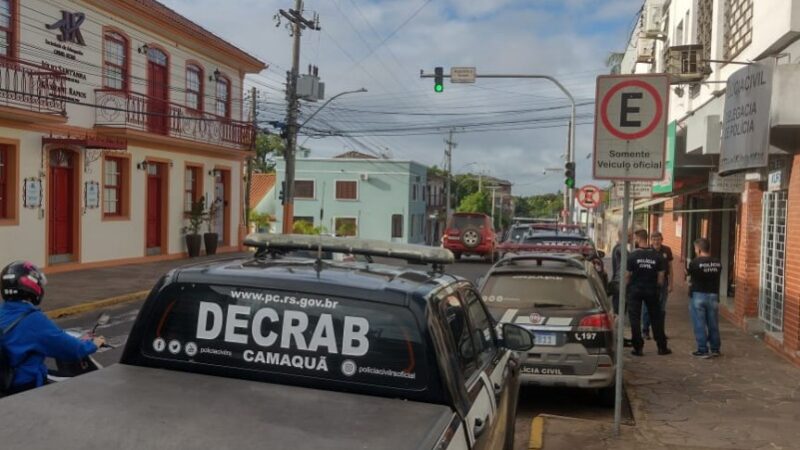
x: 61, y: 202
x: 154, y: 203
x: 157, y: 91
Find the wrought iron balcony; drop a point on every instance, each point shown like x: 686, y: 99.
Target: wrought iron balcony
x: 32, y: 87
x: 130, y: 110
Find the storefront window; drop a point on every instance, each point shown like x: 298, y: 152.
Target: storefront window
x: 191, y: 187
x: 114, y: 181
x: 4, y: 170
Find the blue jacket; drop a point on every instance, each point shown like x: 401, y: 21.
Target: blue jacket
x: 36, y: 335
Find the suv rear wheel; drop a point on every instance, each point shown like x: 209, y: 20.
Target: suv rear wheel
x: 471, y: 238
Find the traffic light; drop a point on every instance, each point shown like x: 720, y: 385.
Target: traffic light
x: 569, y: 175
x: 438, y: 79
x: 281, y: 194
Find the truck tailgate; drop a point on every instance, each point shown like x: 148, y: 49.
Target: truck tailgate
x: 126, y: 407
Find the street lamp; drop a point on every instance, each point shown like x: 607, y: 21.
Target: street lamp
x: 326, y: 104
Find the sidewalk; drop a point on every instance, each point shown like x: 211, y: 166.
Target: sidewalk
x: 74, y: 290
x: 747, y: 399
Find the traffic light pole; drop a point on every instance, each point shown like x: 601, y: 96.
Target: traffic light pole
x: 571, y: 133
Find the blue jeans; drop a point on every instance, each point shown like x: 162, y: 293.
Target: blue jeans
x: 664, y: 293
x: 704, y: 310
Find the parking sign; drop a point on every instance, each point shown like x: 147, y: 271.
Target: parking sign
x: 630, y: 131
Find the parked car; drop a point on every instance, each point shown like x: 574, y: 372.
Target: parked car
x: 561, y: 298
x: 517, y: 232
x: 558, y: 242
x: 470, y: 234
x: 277, y: 352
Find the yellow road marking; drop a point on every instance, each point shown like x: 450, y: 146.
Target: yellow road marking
x: 537, y: 432
x: 91, y: 306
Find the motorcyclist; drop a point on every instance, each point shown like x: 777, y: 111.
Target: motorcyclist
x: 35, y: 336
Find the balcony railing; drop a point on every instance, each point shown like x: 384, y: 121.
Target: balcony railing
x: 32, y: 87
x: 137, y: 111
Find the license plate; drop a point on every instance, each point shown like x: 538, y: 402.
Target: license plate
x: 547, y: 339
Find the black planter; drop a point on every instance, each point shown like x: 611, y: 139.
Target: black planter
x: 193, y: 243
x: 211, y: 240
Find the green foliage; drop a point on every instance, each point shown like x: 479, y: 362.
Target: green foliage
x: 464, y: 185
x: 303, y: 227
x: 476, y: 202
x: 545, y: 205
x: 196, y: 216
x: 261, y: 220
x: 267, y: 146
x: 346, y: 229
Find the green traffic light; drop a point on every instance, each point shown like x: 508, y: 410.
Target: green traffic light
x: 438, y: 87
x: 570, y: 182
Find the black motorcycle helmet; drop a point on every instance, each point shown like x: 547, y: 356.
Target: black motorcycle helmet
x: 22, y: 280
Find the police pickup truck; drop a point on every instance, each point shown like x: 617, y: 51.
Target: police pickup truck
x: 283, y: 352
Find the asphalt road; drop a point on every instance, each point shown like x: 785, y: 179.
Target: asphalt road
x: 533, y: 401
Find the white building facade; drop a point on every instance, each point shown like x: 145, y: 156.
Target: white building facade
x: 752, y: 224
x: 114, y: 116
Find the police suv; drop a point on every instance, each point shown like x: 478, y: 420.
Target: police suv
x: 280, y: 352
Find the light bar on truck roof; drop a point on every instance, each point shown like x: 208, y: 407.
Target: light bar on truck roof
x: 371, y: 247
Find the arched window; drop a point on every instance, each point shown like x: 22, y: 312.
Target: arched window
x: 115, y: 61
x: 7, y: 27
x: 223, y: 97
x: 194, y: 87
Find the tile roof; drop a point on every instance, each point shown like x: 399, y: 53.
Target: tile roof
x: 354, y: 155
x: 261, y: 185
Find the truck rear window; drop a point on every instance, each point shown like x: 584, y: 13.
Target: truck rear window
x: 461, y: 222
x: 289, y: 333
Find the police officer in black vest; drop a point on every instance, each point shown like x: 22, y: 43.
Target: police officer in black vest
x: 645, y: 278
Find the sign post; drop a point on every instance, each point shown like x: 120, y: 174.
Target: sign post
x: 629, y: 145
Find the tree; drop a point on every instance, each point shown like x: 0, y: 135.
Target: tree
x: 544, y: 205
x: 477, y: 202
x: 267, y: 147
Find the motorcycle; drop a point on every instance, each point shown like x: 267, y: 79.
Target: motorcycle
x: 65, y: 370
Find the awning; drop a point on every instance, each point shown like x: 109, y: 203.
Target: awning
x: 680, y: 192
x: 88, y: 141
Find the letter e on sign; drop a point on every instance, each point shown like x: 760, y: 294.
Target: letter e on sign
x: 630, y: 131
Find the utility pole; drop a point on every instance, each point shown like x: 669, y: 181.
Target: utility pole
x: 448, y: 153
x: 494, y: 196
x: 299, y: 23
x: 253, y: 113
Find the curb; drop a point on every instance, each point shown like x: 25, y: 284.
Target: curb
x: 537, y: 433
x: 94, y: 305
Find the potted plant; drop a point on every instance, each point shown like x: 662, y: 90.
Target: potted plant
x: 196, y: 216
x: 212, y: 238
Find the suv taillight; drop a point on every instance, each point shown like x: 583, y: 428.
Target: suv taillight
x: 452, y: 232
x: 595, y: 322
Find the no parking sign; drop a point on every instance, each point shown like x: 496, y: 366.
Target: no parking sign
x: 630, y: 132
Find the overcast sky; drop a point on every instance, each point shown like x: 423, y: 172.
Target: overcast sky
x: 381, y: 45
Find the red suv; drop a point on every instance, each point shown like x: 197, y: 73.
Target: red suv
x: 470, y: 234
